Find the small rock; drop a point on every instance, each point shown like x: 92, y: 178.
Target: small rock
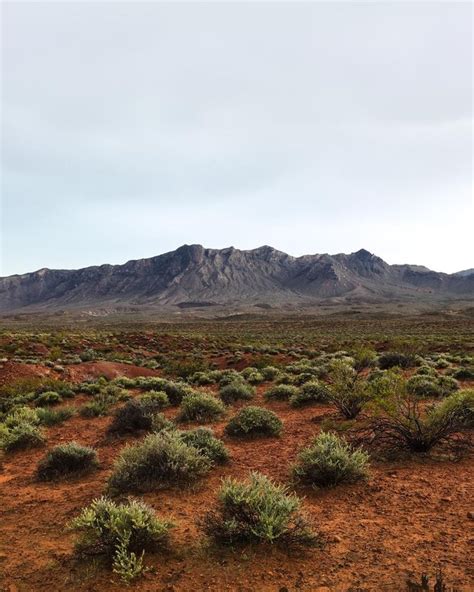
x: 470, y: 515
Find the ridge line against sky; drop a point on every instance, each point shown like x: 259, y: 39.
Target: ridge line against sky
x: 130, y: 128
x: 119, y: 263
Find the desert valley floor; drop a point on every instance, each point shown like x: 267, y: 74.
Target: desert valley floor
x: 412, y: 515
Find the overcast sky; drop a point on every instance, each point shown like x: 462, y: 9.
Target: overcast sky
x: 129, y: 129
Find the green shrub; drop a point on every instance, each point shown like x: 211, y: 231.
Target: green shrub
x: 329, y: 460
x: 66, y: 459
x: 48, y: 398
x: 257, y: 510
x: 20, y: 430
x: 236, y: 391
x: 464, y: 374
x: 459, y: 406
x: 94, y: 409
x: 162, y: 460
x: 281, y: 392
x: 159, y: 423
x: 207, y: 444
x: 447, y: 385
x: 269, y: 372
x: 254, y: 421
x: 135, y: 416
x: 309, y: 394
x: 252, y: 375
x: 348, y: 391
x: 49, y: 417
x: 392, y: 359
x: 404, y: 425
x: 122, y: 533
x: 200, y: 407
x: 423, y: 386
x: 159, y: 398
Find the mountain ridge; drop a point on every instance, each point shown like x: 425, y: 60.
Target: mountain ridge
x: 232, y: 277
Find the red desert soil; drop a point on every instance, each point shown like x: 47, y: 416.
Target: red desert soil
x: 111, y: 370
x: 11, y: 371
x: 409, y: 517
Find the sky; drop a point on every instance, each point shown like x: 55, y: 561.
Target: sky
x: 129, y: 129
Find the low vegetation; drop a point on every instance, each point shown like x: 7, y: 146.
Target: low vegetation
x: 328, y: 461
x: 65, y: 460
x: 201, y: 407
x: 254, y: 422
x: 122, y: 533
x: 257, y: 510
x: 162, y: 460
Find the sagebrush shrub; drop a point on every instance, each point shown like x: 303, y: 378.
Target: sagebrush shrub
x: 20, y: 430
x: 257, y: 510
x: 329, y: 460
x: 136, y: 415
x: 459, y: 407
x: 120, y: 532
x: 254, y: 421
x: 281, y: 392
x: 67, y: 459
x: 200, y: 407
x: 392, y: 359
x: 162, y: 460
x: 424, y: 386
x: 48, y: 398
x: 160, y: 398
x: 207, y: 444
x: 308, y: 394
x: 236, y: 391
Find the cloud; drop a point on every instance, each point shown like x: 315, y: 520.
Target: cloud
x: 308, y: 126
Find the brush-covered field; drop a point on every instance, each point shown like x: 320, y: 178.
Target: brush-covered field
x: 284, y: 455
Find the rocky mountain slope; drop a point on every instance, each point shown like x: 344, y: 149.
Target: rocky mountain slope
x: 195, y: 277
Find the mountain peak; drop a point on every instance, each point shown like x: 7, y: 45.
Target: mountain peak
x: 363, y: 254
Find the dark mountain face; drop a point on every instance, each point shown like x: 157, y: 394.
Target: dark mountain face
x: 195, y: 276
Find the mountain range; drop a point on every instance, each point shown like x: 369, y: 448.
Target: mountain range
x: 193, y: 277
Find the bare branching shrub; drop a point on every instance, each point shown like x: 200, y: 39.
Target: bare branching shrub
x: 348, y: 391
x: 404, y: 424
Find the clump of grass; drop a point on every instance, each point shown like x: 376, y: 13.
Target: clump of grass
x: 207, y: 444
x: 122, y: 533
x: 328, y: 461
x: 200, y: 407
x: 257, y: 510
x: 162, y: 460
x: 65, y: 460
x: 50, y: 417
x: 236, y: 391
x: 254, y: 422
x: 48, y: 398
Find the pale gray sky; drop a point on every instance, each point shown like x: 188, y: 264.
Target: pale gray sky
x: 129, y: 129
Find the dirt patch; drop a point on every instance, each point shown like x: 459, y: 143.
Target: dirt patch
x: 111, y: 370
